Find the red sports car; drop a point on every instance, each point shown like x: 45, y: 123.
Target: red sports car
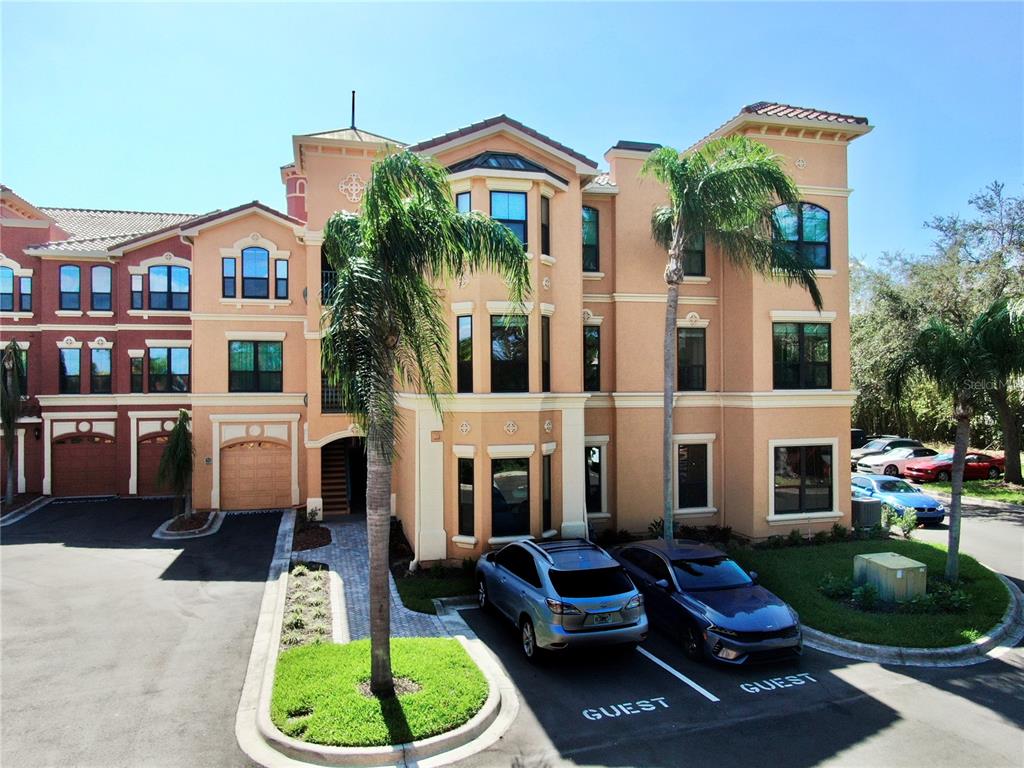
x: 978, y: 465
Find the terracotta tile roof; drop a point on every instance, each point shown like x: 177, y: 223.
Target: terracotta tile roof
x: 773, y: 109
x: 491, y: 121
x: 206, y: 218
x: 93, y: 230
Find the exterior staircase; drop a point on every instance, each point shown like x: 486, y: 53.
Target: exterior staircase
x: 334, y: 478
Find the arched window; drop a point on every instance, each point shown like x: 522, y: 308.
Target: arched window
x: 300, y: 187
x: 70, y: 287
x: 591, y: 252
x: 805, y: 228
x: 255, y: 273
x: 6, y: 289
x: 100, y: 289
x: 169, y: 287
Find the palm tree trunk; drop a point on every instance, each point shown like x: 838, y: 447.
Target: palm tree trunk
x: 10, y: 439
x: 668, y: 401
x: 378, y: 529
x: 962, y: 411
x: 1011, y: 434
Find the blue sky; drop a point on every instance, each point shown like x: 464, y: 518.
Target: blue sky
x: 191, y: 107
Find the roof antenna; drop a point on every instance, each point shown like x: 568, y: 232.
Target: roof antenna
x: 353, y: 110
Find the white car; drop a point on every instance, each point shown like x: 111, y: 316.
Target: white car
x: 892, y: 462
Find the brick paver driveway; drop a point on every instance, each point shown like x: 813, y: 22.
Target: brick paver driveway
x: 118, y: 649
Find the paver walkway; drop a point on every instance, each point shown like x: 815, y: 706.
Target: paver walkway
x: 347, y: 556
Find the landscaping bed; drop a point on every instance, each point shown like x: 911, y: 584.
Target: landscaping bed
x: 995, y: 490
x: 320, y: 693
x: 307, y: 606
x: 192, y: 522
x: 310, y: 536
x: 418, y: 589
x: 796, y: 574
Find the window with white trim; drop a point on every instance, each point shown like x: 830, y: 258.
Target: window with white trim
x: 692, y: 476
x: 802, y: 479
x: 100, y: 289
x: 510, y: 497
x: 595, y: 469
x: 6, y: 289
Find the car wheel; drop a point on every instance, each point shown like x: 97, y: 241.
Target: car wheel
x: 693, y: 643
x: 528, y: 640
x: 481, y: 595
x: 943, y: 476
x: 891, y: 470
x: 993, y: 472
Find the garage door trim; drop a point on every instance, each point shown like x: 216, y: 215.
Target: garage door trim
x: 263, y: 421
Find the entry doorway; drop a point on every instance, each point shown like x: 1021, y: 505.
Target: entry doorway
x: 343, y: 476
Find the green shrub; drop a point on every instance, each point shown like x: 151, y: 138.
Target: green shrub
x: 865, y: 597
x: 839, y: 532
x: 656, y: 528
x: 878, y: 531
x: 907, y: 523
x: 836, y: 587
x: 821, y: 537
x: 299, y: 570
x: 469, y: 565
x: 295, y: 620
x: 775, y: 542
x: 795, y: 538
x: 949, y: 598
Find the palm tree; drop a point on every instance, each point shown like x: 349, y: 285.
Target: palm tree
x: 10, y: 404
x: 1001, y: 340
x: 384, y: 322
x: 175, y: 470
x: 724, y: 192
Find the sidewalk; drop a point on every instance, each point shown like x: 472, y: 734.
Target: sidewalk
x: 347, y: 556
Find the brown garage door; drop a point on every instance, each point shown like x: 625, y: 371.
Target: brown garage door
x: 150, y: 451
x: 84, y: 465
x: 255, y: 475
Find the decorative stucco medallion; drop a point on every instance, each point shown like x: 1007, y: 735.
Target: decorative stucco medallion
x: 801, y: 163
x: 511, y: 427
x: 692, y: 317
x: 254, y: 430
x: 83, y: 426
x: 587, y: 315
x: 464, y: 427
x: 352, y: 186
x: 546, y: 282
x: 548, y: 425
x: 255, y: 237
x: 168, y: 425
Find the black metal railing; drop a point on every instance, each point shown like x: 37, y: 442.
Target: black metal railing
x: 330, y: 397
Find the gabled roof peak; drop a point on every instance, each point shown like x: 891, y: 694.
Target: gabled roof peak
x: 353, y: 134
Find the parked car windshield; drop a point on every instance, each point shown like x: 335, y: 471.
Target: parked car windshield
x: 942, y: 457
x: 596, y: 582
x: 874, y: 445
x: 710, y: 573
x: 897, y: 453
x: 895, y: 486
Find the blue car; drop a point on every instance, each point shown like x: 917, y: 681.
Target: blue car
x: 901, y: 496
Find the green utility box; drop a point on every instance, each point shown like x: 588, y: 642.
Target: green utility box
x: 896, y: 578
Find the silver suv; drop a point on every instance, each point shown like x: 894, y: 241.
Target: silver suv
x: 562, y: 594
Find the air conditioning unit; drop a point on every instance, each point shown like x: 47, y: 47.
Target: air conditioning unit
x: 867, y: 513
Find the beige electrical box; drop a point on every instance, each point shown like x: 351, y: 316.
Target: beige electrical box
x: 896, y: 578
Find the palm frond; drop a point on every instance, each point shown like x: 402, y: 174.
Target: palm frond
x: 663, y: 222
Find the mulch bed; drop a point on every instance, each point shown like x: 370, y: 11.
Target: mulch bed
x: 193, y: 522
x: 310, y: 537
x: 403, y: 685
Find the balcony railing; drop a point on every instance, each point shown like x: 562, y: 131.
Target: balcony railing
x: 330, y: 398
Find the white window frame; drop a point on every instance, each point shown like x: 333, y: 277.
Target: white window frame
x: 698, y: 438
x: 601, y: 442
x: 800, y: 442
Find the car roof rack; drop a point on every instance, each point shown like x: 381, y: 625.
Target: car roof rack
x: 539, y: 549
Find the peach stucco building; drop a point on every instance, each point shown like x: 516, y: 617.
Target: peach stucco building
x: 555, y: 424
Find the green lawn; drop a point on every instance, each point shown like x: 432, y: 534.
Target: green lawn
x: 417, y: 591
x: 794, y: 573
x: 983, y: 489
x: 316, y: 696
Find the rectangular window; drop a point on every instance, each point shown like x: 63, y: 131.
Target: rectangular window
x: 100, y: 289
x: 510, y: 497
x: 6, y: 289
x: 25, y: 294
x: 591, y: 358
x: 169, y: 288
x: 255, y: 366
x: 70, y: 373
x: 466, y: 491
x: 545, y: 522
x: 464, y: 365
x: 70, y: 287
x: 693, y: 258
x: 136, y: 383
x: 463, y: 202
x: 802, y: 355
x: 510, y: 359
x: 803, y: 479
x: 510, y: 209
x: 136, y: 291
x: 591, y: 246
x: 255, y: 273
x: 227, y: 278
x: 280, y: 279
x: 691, y: 360
x: 545, y: 354
x: 169, y: 369
x: 692, y: 469
x: 545, y: 226
x: 99, y: 371
x: 593, y: 456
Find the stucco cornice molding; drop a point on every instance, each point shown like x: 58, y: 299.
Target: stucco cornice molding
x: 165, y: 260
x: 254, y: 240
x: 497, y: 403
x: 19, y: 271
x: 801, y: 316
x: 519, y: 451
x: 808, y: 189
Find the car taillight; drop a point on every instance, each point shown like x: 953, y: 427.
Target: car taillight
x: 562, y: 609
x: 636, y: 601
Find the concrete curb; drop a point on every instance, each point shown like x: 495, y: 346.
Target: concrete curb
x: 1008, y: 633
x: 261, y: 740
x: 213, y: 523
x: 22, y: 512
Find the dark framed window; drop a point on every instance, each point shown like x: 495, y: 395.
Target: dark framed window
x: 545, y: 354
x: 169, y: 288
x: 692, y: 476
x: 805, y: 230
x: 591, y: 358
x: 591, y: 240
x: 510, y: 497
x: 464, y: 351
x: 545, y: 510
x: 466, y: 498
x: 594, y: 465
x: 136, y: 373
x: 136, y: 291
x: 227, y: 278
x: 802, y: 355
x: 99, y: 371
x: 694, y: 262
x: 170, y: 369
x: 691, y: 359
x: 510, y: 353
x: 510, y: 209
x: 280, y: 279
x: 70, y: 287
x: 545, y: 225
x: 99, y: 289
x: 255, y: 273
x: 255, y: 366
x: 463, y: 202
x: 6, y: 289
x: 70, y: 372
x: 25, y: 294
x: 803, y: 479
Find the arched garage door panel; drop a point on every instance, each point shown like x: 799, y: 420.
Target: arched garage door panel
x: 255, y: 475
x: 84, y: 465
x: 150, y: 451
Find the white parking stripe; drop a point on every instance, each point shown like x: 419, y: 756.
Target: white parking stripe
x: 676, y: 673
